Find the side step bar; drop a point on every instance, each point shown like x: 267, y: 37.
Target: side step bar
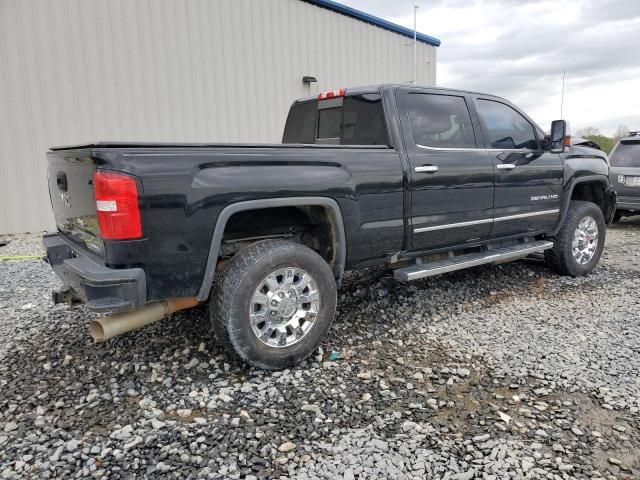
x: 498, y: 255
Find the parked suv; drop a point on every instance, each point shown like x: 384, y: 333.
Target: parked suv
x: 423, y: 180
x: 625, y: 175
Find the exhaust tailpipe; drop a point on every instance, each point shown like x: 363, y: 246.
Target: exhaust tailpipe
x: 111, y: 326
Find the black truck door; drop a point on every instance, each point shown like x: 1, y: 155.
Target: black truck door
x: 528, y: 181
x: 451, y: 175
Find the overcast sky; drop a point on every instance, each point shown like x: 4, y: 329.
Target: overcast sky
x: 518, y: 48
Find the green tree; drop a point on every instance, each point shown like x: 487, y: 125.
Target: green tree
x: 593, y: 134
x: 621, y: 132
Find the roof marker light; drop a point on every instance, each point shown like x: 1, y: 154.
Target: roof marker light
x: 340, y: 92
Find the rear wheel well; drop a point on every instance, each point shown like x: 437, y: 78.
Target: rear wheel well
x: 313, y: 226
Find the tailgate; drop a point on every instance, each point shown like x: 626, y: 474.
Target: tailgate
x: 626, y: 181
x: 70, y: 175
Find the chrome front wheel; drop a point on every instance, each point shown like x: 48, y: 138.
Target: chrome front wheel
x: 585, y: 240
x: 579, y: 243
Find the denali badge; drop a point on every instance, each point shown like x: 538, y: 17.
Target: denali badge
x: 65, y: 198
x: 544, y: 197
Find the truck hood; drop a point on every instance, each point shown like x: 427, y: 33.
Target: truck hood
x: 577, y: 151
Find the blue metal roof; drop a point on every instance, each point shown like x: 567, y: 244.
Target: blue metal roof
x: 378, y: 22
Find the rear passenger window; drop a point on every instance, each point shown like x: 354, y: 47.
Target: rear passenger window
x: 507, y: 129
x: 363, y: 121
x: 440, y: 121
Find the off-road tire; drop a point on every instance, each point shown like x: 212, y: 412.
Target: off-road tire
x: 236, y: 283
x: 560, y: 258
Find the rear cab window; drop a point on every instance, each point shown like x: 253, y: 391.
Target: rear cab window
x: 301, y: 123
x: 350, y: 120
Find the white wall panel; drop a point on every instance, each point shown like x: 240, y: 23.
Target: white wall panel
x: 74, y: 71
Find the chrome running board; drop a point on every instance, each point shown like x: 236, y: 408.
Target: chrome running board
x: 498, y: 255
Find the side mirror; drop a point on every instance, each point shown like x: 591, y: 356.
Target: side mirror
x: 558, y: 133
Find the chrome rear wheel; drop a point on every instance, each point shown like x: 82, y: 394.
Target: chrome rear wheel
x: 284, y: 307
x: 273, y: 303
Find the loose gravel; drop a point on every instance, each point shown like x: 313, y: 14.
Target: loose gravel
x: 497, y: 372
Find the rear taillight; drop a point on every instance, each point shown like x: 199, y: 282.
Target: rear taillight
x: 117, y: 206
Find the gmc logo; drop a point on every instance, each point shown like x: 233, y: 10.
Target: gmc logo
x: 65, y: 199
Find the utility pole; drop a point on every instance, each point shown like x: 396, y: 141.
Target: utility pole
x: 564, y: 73
x: 415, y: 43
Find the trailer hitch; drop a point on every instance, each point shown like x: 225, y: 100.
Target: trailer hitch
x: 65, y: 295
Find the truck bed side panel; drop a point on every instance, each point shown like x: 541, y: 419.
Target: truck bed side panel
x: 186, y: 188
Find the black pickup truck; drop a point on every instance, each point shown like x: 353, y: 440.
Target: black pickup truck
x: 423, y: 180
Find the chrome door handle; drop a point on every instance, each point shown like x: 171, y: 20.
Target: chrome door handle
x: 505, y: 166
x: 427, y: 169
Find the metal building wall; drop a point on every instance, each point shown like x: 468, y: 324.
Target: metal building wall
x: 74, y: 71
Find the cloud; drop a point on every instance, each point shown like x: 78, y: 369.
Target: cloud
x: 519, y: 49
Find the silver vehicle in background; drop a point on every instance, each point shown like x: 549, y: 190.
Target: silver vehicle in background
x: 625, y: 175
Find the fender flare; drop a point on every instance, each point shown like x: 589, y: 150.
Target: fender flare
x: 569, y: 193
x: 230, y: 210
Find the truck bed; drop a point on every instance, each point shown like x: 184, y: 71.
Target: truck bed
x: 106, y: 144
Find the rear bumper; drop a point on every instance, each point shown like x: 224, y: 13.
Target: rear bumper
x: 100, y: 287
x: 629, y: 203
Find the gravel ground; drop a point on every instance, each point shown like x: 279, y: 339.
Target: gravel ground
x: 498, y: 372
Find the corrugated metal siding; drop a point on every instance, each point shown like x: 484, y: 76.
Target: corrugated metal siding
x: 73, y: 71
